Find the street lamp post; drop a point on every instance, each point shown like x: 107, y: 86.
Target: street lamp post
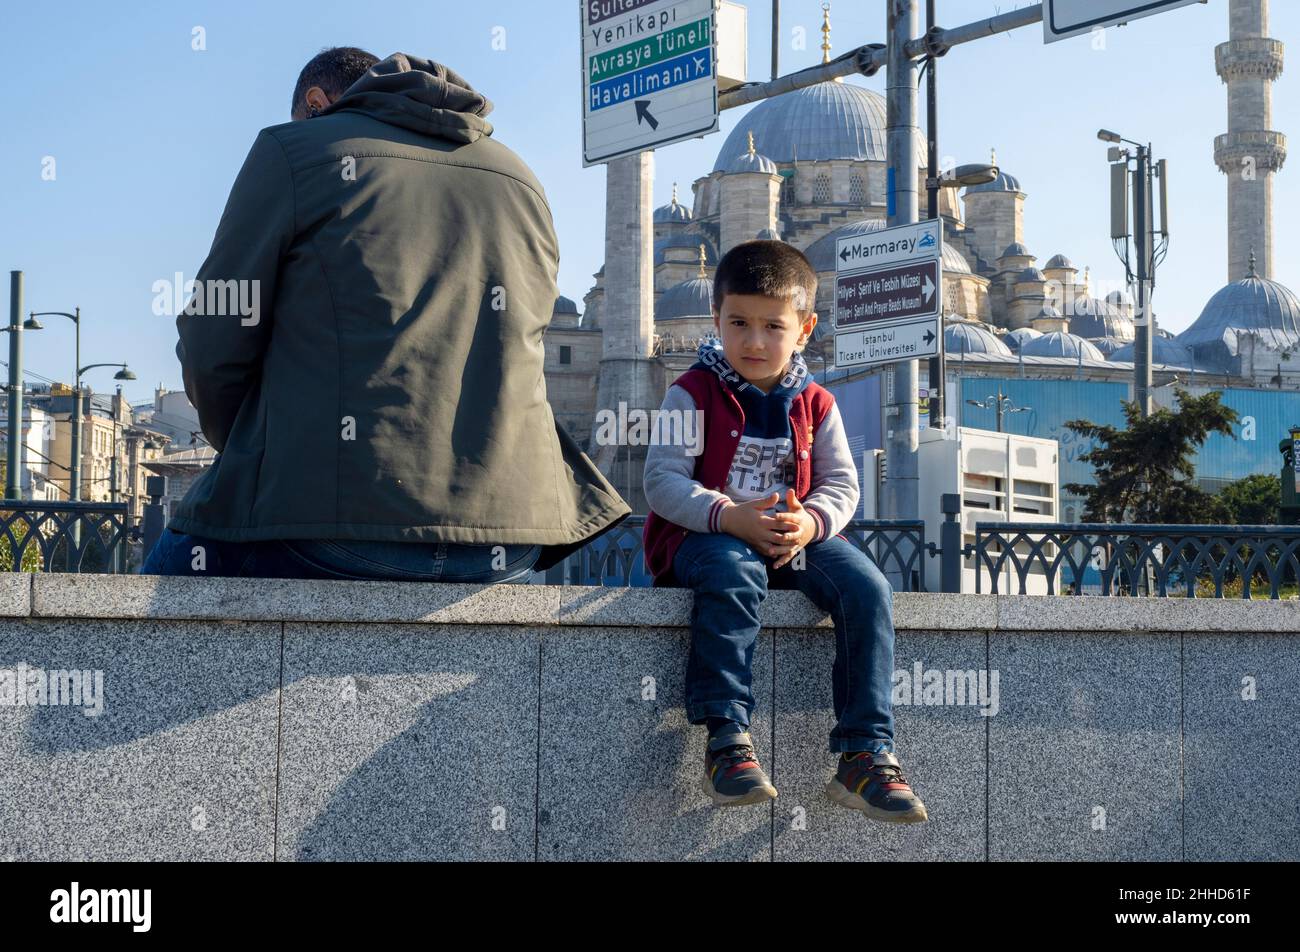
x: 1001, y: 403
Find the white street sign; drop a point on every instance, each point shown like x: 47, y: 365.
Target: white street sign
x: 888, y: 295
x: 1066, y: 18
x: 649, y: 75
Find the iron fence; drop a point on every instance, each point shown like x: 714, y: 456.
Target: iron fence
x: 40, y: 536
x: 1121, y: 559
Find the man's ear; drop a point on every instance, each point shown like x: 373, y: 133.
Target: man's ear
x: 315, y: 96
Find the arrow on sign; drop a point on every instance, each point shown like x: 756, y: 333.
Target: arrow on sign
x: 643, y: 112
x: 928, y: 290
x: 929, y: 336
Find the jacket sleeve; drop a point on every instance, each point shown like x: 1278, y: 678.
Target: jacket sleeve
x: 671, y: 489
x: 834, y: 498
x: 225, y: 328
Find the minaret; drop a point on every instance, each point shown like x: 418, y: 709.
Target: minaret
x: 1250, y: 153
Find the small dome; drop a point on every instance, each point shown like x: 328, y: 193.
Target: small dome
x: 1048, y: 312
x: 954, y: 262
x: 752, y: 163
x: 691, y: 242
x: 1163, y: 351
x: 1094, y: 317
x: 673, y: 211
x: 693, y: 298
x: 1107, y: 345
x: 1015, y: 250
x: 821, y: 253
x: 769, y: 234
x: 1030, y: 274
x: 564, y: 305
x: 1060, y: 262
x: 1017, y: 338
x: 1059, y: 344
x: 1003, y: 183
x: 965, y: 337
x: 1117, y: 299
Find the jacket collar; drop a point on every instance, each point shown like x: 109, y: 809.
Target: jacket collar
x: 711, y: 357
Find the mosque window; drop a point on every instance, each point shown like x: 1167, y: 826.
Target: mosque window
x: 822, y: 190
x: 857, y: 190
x: 566, y: 354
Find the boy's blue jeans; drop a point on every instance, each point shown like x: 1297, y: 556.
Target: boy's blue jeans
x: 731, y: 580
x: 340, y: 559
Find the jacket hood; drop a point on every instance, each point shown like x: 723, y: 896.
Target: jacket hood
x: 420, y: 95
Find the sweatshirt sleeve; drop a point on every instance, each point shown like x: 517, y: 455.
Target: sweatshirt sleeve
x: 834, y: 498
x: 671, y: 489
x: 221, y: 355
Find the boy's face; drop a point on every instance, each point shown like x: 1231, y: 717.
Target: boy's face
x: 759, y: 334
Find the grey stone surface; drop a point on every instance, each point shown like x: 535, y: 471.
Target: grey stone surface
x: 15, y: 594
x: 1102, y: 613
x: 408, y: 743
x: 1242, y: 756
x: 146, y: 596
x: 1088, y: 731
x: 620, y: 773
x: 941, y: 748
x: 180, y: 764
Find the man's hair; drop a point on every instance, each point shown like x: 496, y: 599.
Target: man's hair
x: 770, y: 268
x: 333, y: 70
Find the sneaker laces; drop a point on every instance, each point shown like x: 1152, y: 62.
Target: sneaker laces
x: 735, y: 754
x: 888, y: 773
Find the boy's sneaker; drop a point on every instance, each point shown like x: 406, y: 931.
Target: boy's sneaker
x: 732, y: 776
x: 875, y: 785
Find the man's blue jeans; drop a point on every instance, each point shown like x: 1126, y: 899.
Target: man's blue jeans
x: 175, y: 554
x: 731, y: 580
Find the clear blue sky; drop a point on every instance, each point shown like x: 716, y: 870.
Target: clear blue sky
x: 148, y: 135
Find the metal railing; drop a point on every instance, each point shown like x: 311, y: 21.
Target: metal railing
x: 896, y: 546
x: 38, y: 536
x: 1118, y: 559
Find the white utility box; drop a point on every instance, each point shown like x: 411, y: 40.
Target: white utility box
x: 733, y: 45
x: 1001, y: 477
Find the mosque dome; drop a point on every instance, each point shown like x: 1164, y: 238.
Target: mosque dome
x: 954, y: 262
x: 1107, y: 345
x: 821, y: 253
x: 1030, y: 274
x: 693, y: 298
x: 1264, y: 307
x: 1117, y: 299
x: 966, y: 337
x: 1163, y: 351
x: 1003, y: 183
x: 1095, y: 317
x: 769, y: 234
x: 1060, y: 262
x: 1059, y: 344
x: 751, y: 162
x: 1015, y: 250
x: 564, y: 305
x: 673, y: 211
x: 691, y: 242
x: 1017, y: 338
x: 827, y: 120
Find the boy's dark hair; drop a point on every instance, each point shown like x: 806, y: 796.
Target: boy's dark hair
x: 333, y: 70
x: 770, y: 268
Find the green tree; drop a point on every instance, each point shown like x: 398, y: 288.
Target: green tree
x: 1144, y: 472
x: 1253, y: 501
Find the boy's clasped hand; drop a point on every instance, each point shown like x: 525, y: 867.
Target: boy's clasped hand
x: 779, y: 536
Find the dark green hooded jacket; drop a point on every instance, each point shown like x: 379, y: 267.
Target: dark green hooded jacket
x: 388, y: 384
